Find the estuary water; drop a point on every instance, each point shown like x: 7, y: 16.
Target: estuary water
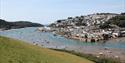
x: 47, y: 39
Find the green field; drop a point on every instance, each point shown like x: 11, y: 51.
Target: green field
x: 15, y: 51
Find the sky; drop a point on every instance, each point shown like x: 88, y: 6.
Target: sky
x: 48, y: 11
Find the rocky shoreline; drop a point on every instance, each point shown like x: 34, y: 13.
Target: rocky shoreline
x: 118, y: 54
x: 115, y: 53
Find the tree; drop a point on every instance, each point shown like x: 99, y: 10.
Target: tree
x: 70, y: 18
x: 59, y: 21
x: 118, y: 20
x: 105, y: 25
x: 123, y: 13
x: 81, y: 24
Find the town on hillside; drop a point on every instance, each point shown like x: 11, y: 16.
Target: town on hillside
x: 89, y: 28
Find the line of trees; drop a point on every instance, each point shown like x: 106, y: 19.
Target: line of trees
x: 117, y: 20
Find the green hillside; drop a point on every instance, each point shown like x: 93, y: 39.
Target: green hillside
x: 18, y: 24
x: 15, y: 51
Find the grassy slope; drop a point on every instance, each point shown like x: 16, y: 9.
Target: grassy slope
x: 15, y: 51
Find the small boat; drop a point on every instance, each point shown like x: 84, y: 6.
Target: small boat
x: 54, y: 34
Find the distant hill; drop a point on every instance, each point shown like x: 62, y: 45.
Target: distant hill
x: 19, y: 24
x: 15, y: 51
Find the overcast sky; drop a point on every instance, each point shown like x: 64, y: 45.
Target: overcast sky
x: 48, y: 11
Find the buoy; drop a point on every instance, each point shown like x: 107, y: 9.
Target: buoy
x: 100, y: 53
x: 106, y: 48
x: 116, y: 56
x: 97, y: 56
x: 109, y: 52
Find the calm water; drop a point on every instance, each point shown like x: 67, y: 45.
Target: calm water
x: 49, y: 40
